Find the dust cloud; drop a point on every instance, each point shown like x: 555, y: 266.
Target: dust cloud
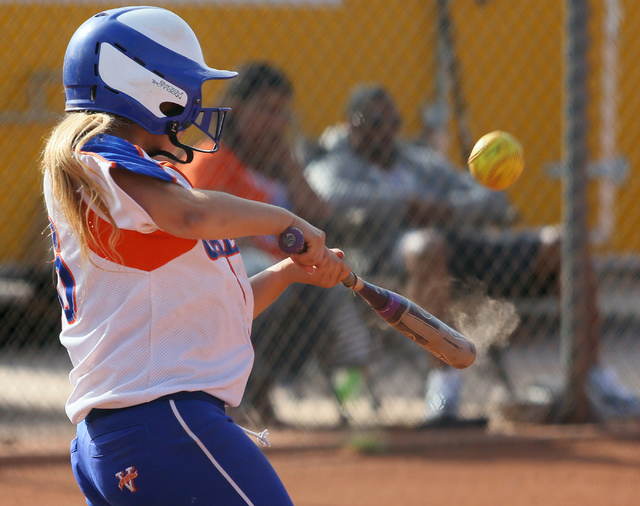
x: 484, y: 320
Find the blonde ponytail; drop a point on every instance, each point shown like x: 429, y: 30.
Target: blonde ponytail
x: 70, y: 181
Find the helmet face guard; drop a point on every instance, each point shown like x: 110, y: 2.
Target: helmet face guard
x: 144, y: 64
x: 205, y: 125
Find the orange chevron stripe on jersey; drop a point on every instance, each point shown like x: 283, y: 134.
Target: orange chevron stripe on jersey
x: 145, y: 252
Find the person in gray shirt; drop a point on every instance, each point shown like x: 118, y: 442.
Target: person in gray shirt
x: 407, y: 214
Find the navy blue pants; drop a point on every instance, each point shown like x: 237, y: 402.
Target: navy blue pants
x: 181, y: 449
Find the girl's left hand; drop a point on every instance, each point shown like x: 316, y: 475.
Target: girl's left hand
x: 327, y: 273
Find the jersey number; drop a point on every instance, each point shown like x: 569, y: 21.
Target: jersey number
x: 66, y: 282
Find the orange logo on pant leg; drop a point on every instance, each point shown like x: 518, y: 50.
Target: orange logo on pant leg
x: 126, y: 480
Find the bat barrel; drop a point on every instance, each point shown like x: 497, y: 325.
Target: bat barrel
x: 425, y: 329
x: 434, y: 335
x: 417, y: 324
x: 402, y: 314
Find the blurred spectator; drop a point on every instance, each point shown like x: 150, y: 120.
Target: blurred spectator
x: 426, y: 223
x: 256, y: 161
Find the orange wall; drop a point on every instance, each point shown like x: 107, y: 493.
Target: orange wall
x: 511, y: 63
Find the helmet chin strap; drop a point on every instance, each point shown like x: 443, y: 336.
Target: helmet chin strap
x: 173, y: 137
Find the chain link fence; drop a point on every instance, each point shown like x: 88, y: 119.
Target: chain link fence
x: 360, y: 118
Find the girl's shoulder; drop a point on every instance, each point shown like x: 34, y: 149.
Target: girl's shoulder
x: 121, y: 154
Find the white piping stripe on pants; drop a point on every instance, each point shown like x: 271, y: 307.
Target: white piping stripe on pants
x: 208, y: 454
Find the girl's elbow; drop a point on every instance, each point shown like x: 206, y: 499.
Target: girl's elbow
x: 184, y: 223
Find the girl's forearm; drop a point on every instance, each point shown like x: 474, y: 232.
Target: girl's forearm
x: 269, y: 284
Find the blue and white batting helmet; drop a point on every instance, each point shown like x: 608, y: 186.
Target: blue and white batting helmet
x: 144, y: 64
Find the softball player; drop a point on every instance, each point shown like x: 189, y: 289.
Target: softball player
x: 157, y: 307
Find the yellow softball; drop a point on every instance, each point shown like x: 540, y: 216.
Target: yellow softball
x: 497, y: 160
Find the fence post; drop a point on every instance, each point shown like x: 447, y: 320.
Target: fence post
x: 575, y: 353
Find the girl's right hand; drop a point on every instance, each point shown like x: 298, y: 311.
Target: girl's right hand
x: 316, y: 252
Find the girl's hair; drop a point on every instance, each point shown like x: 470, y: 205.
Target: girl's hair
x: 70, y: 181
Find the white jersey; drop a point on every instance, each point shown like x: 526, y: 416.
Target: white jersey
x: 165, y: 315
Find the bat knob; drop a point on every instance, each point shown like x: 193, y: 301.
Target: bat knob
x: 291, y: 241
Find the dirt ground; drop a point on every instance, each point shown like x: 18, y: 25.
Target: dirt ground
x: 549, y: 468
